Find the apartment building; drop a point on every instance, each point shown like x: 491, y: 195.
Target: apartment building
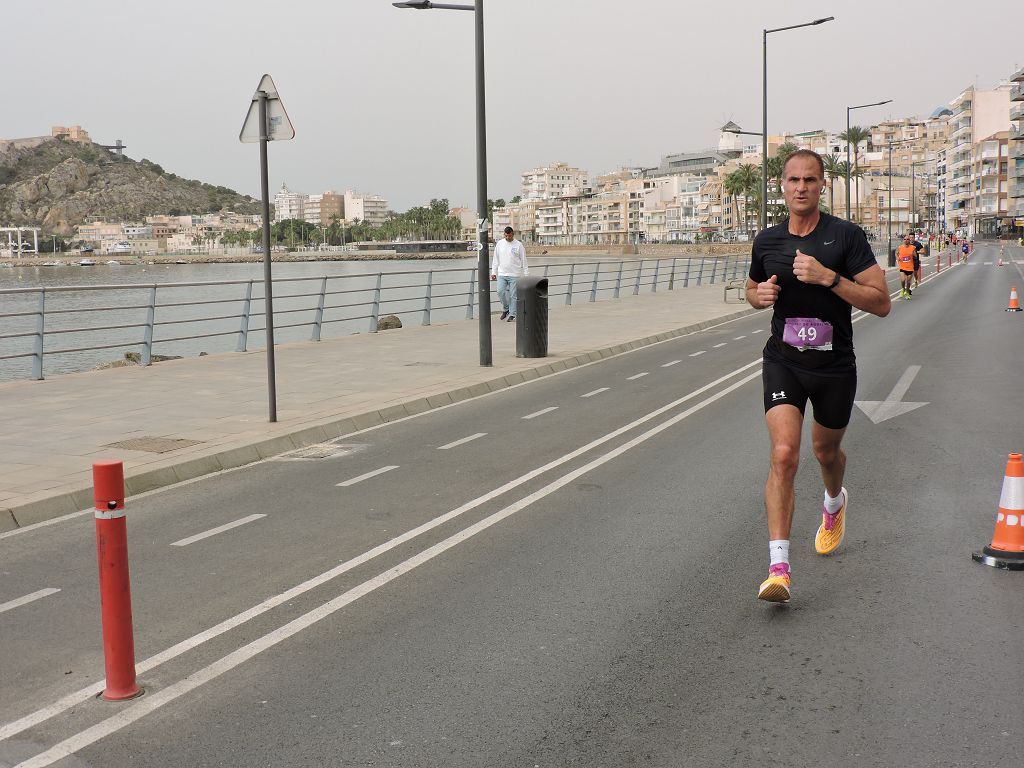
x: 332, y: 207
x: 1015, y: 158
x: 551, y: 181
x: 373, y: 209
x: 989, y: 170
x: 289, y: 205
x: 976, y: 116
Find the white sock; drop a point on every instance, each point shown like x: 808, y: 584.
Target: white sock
x: 778, y: 550
x: 833, y: 505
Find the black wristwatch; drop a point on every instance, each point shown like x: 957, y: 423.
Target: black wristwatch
x: 836, y: 281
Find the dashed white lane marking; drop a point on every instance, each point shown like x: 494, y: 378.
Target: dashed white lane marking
x: 739, y: 337
x: 716, y: 346
x: 214, y: 531
x: 17, y: 602
x: 595, y: 392
x: 463, y: 441
x: 697, y: 354
x: 987, y: 263
x: 670, y: 364
x: 759, y: 330
x: 367, y: 476
x: 637, y: 376
x: 541, y: 412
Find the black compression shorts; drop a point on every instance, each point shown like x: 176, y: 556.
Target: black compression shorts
x: 831, y: 396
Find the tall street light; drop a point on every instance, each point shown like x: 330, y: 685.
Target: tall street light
x: 764, y: 109
x: 891, y: 256
x: 483, y: 277
x: 848, y: 110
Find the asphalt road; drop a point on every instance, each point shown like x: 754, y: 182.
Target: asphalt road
x: 564, y: 574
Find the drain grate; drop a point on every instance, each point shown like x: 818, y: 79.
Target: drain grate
x: 153, y: 444
x: 322, y: 451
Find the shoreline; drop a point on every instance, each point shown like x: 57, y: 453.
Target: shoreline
x: 129, y: 259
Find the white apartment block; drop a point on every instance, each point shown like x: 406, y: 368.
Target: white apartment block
x: 289, y: 205
x: 373, y: 209
x: 976, y: 116
x: 552, y: 181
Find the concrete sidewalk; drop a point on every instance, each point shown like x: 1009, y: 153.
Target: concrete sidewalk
x: 54, y: 429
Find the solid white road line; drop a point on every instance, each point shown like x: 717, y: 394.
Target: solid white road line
x: 12, y: 604
x: 596, y: 392
x: 637, y: 376
x: 716, y: 346
x: 463, y: 441
x: 541, y: 412
x: 153, y: 701
x: 214, y: 531
x: 671, y: 363
x: 367, y: 476
x: 84, y: 694
x: 697, y: 354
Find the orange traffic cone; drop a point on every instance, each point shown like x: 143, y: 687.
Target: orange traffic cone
x: 1014, y: 302
x: 1007, y: 547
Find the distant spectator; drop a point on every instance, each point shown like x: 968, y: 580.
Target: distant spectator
x: 508, y: 264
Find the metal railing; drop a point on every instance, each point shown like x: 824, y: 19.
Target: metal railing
x: 72, y: 323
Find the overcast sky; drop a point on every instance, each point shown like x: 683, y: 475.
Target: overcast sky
x: 382, y: 99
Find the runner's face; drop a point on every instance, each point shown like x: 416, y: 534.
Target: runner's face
x: 801, y: 185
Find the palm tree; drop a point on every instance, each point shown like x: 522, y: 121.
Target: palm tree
x: 834, y: 169
x: 857, y: 174
x: 748, y: 180
x: 855, y: 135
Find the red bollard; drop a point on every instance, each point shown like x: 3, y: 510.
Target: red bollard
x: 938, y: 263
x: 115, y: 588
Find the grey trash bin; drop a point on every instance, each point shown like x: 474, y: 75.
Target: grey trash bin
x: 532, y: 317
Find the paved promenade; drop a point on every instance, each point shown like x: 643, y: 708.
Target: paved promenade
x: 54, y: 429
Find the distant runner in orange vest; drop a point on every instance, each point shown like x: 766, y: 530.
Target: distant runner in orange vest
x: 905, y: 260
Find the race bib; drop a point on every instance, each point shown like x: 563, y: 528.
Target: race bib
x: 808, y: 333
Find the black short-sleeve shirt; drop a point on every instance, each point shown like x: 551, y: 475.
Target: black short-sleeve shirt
x: 838, y: 245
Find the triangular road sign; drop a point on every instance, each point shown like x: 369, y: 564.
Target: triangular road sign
x: 279, y: 127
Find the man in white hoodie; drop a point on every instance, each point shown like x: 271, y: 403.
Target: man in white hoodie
x: 507, y: 265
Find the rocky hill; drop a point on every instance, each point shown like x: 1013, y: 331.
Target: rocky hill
x: 56, y: 184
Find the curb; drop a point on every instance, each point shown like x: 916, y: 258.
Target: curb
x: 12, y: 518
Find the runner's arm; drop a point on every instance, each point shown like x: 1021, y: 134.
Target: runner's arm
x: 867, y: 291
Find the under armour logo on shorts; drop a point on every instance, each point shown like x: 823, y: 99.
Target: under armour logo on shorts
x: 778, y: 395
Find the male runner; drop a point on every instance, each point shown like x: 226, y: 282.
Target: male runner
x: 905, y: 256
x: 811, y: 270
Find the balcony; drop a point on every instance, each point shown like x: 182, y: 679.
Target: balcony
x: 1017, y: 92
x: 1017, y: 112
x: 1018, y: 76
x: 1017, y: 189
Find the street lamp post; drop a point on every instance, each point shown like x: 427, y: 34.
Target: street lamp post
x: 848, y: 110
x: 483, y: 277
x: 764, y: 109
x: 891, y: 256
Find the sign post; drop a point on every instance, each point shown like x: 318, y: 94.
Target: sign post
x: 267, y: 121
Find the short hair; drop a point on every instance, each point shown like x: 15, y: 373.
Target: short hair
x: 509, y: 230
x: 806, y: 153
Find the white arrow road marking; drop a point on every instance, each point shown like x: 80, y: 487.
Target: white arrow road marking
x: 11, y: 604
x: 367, y: 476
x: 215, y: 531
x: 880, y: 410
x: 463, y: 441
